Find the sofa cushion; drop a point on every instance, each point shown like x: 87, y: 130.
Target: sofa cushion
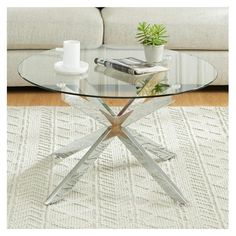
x: 14, y: 58
x: 45, y: 28
x: 188, y: 28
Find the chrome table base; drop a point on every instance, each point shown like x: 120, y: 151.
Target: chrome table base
x: 115, y: 125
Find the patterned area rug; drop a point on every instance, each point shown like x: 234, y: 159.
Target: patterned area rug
x: 117, y: 192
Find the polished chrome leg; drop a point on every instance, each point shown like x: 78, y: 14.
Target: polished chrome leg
x: 79, y: 169
x: 88, y: 106
x: 151, y: 166
x: 115, y: 125
x: 160, y: 152
x: 146, y: 108
x: 78, y: 145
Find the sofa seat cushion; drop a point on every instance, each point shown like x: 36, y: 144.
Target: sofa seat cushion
x: 45, y: 28
x: 188, y: 28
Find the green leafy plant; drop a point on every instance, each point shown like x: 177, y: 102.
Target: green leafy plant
x: 154, y: 35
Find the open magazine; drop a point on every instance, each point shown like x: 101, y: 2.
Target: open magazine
x: 131, y: 65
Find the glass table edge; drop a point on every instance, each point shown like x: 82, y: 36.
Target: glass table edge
x: 122, y: 97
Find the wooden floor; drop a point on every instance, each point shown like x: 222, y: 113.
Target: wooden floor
x: 211, y: 96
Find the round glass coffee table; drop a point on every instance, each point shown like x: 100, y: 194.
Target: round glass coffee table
x: 144, y: 94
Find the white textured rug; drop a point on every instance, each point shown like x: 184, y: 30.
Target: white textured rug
x: 117, y: 192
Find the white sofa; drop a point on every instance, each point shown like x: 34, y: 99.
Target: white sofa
x: 199, y: 31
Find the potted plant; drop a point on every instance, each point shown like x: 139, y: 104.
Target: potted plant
x: 153, y: 37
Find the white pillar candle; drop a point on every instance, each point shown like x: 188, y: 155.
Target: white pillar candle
x: 71, y: 57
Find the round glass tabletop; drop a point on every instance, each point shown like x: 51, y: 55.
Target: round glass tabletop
x: 185, y: 73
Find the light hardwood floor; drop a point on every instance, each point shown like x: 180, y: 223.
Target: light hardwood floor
x: 212, y: 96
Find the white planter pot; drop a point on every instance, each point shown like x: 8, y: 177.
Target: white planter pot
x: 154, y: 53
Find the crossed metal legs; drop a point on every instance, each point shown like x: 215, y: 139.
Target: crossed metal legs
x: 115, y: 125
